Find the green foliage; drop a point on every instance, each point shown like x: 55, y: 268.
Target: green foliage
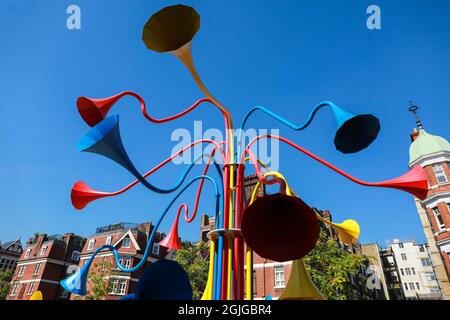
x: 99, y: 281
x: 5, y: 280
x: 331, y: 269
x: 194, y: 259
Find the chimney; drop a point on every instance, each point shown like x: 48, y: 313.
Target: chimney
x: 204, y: 220
x: 145, y: 227
x: 67, y: 237
x: 39, y: 241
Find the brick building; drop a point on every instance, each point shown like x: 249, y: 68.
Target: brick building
x: 433, y: 154
x: 43, y: 263
x: 10, y: 253
x: 130, y: 240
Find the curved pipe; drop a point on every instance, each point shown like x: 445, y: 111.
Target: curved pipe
x: 159, y: 166
x: 308, y: 153
x: 151, y: 238
x: 283, y: 120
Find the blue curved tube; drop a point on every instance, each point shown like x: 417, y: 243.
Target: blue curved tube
x: 282, y: 120
x: 150, y: 241
x: 181, y: 179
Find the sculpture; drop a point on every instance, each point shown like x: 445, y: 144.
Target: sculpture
x: 172, y: 30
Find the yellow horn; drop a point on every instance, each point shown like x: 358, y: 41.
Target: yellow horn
x: 300, y: 285
x: 348, y: 231
x: 36, y: 296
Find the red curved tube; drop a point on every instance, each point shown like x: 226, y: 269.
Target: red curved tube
x: 197, y: 197
x: 85, y: 194
x: 180, y: 114
x: 414, y: 181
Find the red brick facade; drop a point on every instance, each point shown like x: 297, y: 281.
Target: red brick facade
x: 130, y: 241
x: 43, y: 264
x: 437, y: 202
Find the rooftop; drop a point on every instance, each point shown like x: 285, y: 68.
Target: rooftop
x: 116, y: 226
x: 427, y: 144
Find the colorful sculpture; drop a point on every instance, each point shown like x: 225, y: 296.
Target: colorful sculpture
x: 172, y: 30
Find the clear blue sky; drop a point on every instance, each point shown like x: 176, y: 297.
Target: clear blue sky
x: 285, y: 55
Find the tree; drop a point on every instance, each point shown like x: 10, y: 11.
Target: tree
x: 194, y: 259
x: 332, y: 269
x: 5, y: 280
x: 99, y: 281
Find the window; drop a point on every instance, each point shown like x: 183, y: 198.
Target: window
x: 411, y: 286
x: 14, y: 288
x: 413, y: 270
x: 439, y: 220
x: 406, y: 286
x: 408, y: 272
x: 125, y: 261
x: 114, y: 283
x: 31, y: 288
x: 255, y: 289
x: 126, y: 243
x: 401, y: 270
x: 43, y: 250
x: 401, y: 245
x: 21, y: 271
x: 27, y: 253
x: 155, y: 248
x: 279, y: 276
x: 404, y: 258
x: 430, y: 276
x: 422, y: 248
x: 122, y: 287
x: 91, y: 244
x: 108, y: 240
x: 439, y: 173
x: 118, y: 286
x: 37, y: 268
x: 76, y: 255
x: 417, y: 286
x: 426, y: 262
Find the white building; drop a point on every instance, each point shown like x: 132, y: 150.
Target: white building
x: 415, y: 270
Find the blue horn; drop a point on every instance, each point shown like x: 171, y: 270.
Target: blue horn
x: 104, y: 139
x: 355, y: 132
x: 76, y: 283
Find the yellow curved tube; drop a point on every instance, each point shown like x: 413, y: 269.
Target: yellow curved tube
x: 207, y: 294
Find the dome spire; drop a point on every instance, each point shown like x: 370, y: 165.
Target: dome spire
x: 413, y: 109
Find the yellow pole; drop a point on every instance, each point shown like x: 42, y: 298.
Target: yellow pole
x: 248, y: 275
x: 207, y: 295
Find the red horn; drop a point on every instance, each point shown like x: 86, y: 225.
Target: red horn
x: 414, y: 181
x: 172, y: 240
x: 280, y: 227
x: 95, y: 110
x: 82, y: 195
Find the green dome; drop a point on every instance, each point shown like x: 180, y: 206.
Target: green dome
x: 426, y: 144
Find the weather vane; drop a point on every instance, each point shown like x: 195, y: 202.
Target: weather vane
x: 279, y: 226
x: 413, y: 109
